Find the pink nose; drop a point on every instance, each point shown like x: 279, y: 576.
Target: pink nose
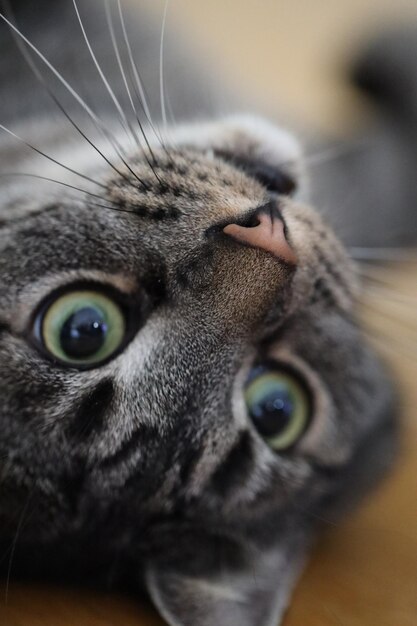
x: 267, y: 235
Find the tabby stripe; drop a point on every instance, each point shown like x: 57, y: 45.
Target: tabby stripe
x: 89, y: 418
x: 4, y: 327
x: 140, y: 439
x: 338, y: 278
x: 189, y: 461
x: 235, y: 467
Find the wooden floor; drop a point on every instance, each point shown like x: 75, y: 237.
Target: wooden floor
x: 364, y: 571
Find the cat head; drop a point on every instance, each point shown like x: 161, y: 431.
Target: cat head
x: 184, y: 385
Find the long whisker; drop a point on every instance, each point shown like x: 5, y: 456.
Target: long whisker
x: 325, y: 155
x: 120, y: 63
x: 38, y: 151
x: 55, y: 72
x: 110, y: 205
x: 170, y: 111
x: 78, y: 99
x: 102, y: 75
x: 53, y: 180
x: 125, y: 122
x: 138, y: 82
x: 162, y: 95
x: 297, y: 506
x: 112, y: 208
x: 161, y: 68
x: 123, y: 73
x: 19, y: 38
x: 143, y: 100
x: 140, y: 92
x: 333, y: 152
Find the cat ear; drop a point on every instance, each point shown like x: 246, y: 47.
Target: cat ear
x: 255, y: 593
x: 268, y: 153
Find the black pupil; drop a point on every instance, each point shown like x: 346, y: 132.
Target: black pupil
x: 272, y: 413
x: 83, y: 333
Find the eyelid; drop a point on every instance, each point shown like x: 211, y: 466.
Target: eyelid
x: 324, y: 429
x: 267, y: 366
x: 123, y: 299
x: 30, y: 298
x: 135, y: 309
x: 286, y: 367
x: 49, y: 326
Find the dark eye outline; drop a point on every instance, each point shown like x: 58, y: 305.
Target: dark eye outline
x: 268, y: 365
x: 134, y: 308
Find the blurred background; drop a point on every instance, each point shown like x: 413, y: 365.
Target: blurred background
x: 287, y: 55
x: 290, y: 58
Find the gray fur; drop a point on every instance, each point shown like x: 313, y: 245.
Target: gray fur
x: 144, y: 494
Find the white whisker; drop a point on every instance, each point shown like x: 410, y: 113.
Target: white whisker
x: 99, y: 124
x: 109, y: 204
x: 38, y: 151
x: 119, y: 61
x: 161, y: 69
x: 56, y: 73
x: 53, y: 180
x: 334, y: 152
x: 138, y: 81
x: 170, y: 110
x: 110, y: 91
x: 123, y: 73
x: 330, y: 153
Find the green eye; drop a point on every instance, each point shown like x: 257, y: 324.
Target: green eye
x: 82, y: 328
x: 278, y: 405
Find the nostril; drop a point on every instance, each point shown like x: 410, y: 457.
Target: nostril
x: 247, y: 220
x: 250, y: 221
x: 265, y: 230
x: 253, y: 219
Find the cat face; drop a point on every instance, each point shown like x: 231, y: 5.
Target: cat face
x: 184, y: 385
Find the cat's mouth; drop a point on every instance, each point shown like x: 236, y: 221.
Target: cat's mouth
x: 265, y: 231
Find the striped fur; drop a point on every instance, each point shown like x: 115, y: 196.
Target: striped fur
x: 147, y: 470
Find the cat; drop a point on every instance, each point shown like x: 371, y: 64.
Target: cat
x: 186, y: 389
